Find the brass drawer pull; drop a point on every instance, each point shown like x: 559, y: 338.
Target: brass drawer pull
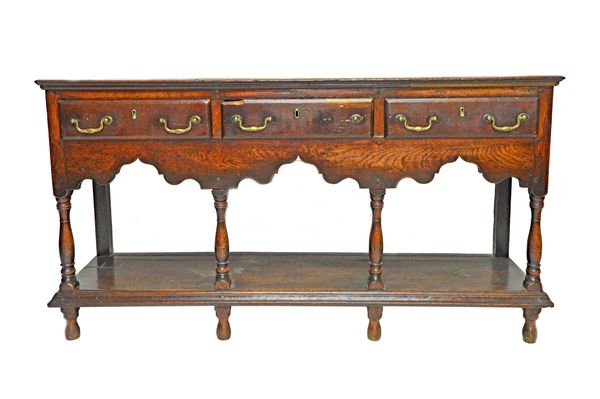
x: 194, y: 120
x: 355, y: 118
x: 522, y: 117
x: 403, y: 119
x: 238, y: 119
x: 105, y: 120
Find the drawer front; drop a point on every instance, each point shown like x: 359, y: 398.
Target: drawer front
x: 461, y: 117
x: 155, y: 119
x: 315, y: 118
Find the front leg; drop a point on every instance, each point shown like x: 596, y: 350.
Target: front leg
x: 222, y: 278
x: 375, y: 262
x: 532, y: 280
x: 68, y: 277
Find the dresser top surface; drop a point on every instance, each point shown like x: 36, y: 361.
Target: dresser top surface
x: 228, y: 84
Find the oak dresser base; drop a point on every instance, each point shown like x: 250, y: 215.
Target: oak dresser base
x: 375, y: 131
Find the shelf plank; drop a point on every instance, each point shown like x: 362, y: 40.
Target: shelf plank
x: 301, y: 279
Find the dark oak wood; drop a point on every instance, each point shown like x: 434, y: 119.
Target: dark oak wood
x: 103, y: 219
x: 530, y: 329
x: 72, y: 330
x: 376, y: 240
x: 223, y: 327
x: 450, y: 123
x: 66, y: 249
x: 222, y: 278
x: 245, y: 84
x: 373, y: 163
x: 532, y: 279
x: 374, y: 328
x: 502, y: 203
x: 301, y: 279
x: 134, y: 118
x: 66, y: 245
x: 314, y: 118
x: 375, y: 262
x: 534, y: 244
x: 346, y: 128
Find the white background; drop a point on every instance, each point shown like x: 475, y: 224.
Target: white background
x: 297, y: 352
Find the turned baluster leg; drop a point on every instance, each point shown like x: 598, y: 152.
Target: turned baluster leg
x: 222, y: 279
x: 66, y: 247
x: 375, y: 260
x: 534, y: 255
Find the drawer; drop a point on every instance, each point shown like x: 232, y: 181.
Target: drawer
x: 461, y: 117
x: 165, y: 119
x: 296, y: 118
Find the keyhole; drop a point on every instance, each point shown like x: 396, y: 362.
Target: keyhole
x: 461, y: 112
x: 296, y: 113
x: 133, y: 114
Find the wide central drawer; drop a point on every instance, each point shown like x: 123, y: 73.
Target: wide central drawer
x: 298, y: 118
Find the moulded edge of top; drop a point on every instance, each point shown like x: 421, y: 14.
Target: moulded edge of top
x: 234, y: 84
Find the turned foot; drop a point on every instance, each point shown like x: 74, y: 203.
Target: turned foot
x: 530, y: 329
x: 72, y: 331
x: 223, y: 328
x: 374, y: 329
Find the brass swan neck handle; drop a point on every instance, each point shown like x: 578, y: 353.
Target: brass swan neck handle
x: 240, y: 122
x: 105, y: 120
x: 194, y: 120
x: 403, y: 119
x: 522, y: 117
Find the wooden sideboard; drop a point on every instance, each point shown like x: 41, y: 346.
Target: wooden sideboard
x: 376, y: 131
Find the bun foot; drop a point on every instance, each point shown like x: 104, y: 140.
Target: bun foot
x: 223, y: 330
x: 530, y: 328
x: 72, y: 331
x: 529, y: 333
x: 374, y: 329
x: 223, y: 327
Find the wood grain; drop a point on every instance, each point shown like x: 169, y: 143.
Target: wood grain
x: 228, y: 84
x: 310, y: 123
x: 103, y: 219
x: 502, y: 206
x: 145, y: 125
x: 372, y: 163
x: 66, y: 244
x: 316, y: 118
x: 222, y: 278
x: 449, y: 122
x: 534, y: 244
x: 301, y: 279
x: 66, y: 249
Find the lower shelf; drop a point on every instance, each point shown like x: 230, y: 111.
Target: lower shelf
x: 301, y: 279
